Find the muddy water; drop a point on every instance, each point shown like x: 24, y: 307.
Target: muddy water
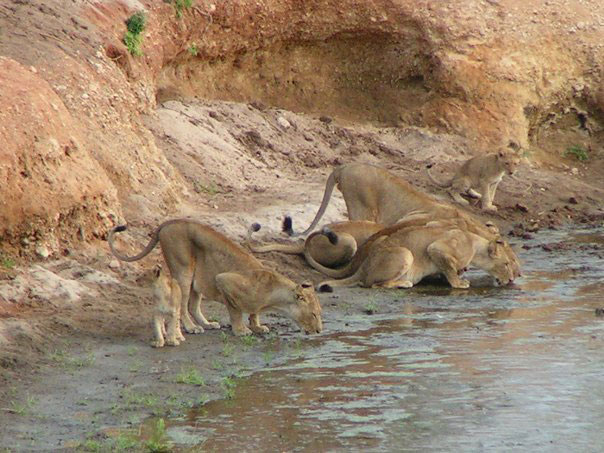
x: 493, y: 369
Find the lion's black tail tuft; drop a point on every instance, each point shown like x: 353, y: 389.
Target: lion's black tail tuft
x: 333, y: 237
x: 120, y: 228
x: 288, y: 225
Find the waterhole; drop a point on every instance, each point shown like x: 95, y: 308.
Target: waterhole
x: 433, y: 369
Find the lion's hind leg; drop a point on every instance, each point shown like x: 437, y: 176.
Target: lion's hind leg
x: 460, y: 185
x: 388, y: 268
x: 255, y: 325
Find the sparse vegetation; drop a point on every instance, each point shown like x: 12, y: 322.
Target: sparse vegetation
x: 578, y: 151
x: 249, y: 341
x: 370, y: 308
x: 133, y: 37
x: 7, y: 262
x: 193, y: 50
x: 73, y: 363
x: 228, y: 385
x: 191, y: 377
x: 22, y: 408
x: 158, y: 442
x: 181, y: 5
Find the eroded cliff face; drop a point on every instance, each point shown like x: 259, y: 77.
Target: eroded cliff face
x: 77, y: 157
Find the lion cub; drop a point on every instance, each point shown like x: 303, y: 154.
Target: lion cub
x: 482, y: 172
x: 167, y: 294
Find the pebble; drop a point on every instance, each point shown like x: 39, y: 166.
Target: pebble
x: 283, y: 123
x: 42, y: 251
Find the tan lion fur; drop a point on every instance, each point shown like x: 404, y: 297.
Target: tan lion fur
x: 373, y: 193
x: 167, y: 296
x: 484, y: 173
x: 350, y: 236
x: 196, y: 255
x: 401, y: 256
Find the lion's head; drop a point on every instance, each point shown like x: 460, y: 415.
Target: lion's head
x: 498, y: 263
x: 307, y: 310
x: 509, y: 161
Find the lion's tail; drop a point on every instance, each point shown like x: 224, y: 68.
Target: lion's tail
x: 328, y: 285
x: 292, y: 249
x: 329, y: 185
x: 434, y: 180
x: 150, y: 246
x: 334, y: 273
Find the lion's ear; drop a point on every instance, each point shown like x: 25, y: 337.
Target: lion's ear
x: 306, y: 284
x: 157, y: 270
x: 493, y: 249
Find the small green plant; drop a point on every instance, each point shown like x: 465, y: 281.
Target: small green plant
x: 73, y: 363
x: 7, y: 262
x: 193, y: 50
x: 578, y: 151
x: 158, y: 442
x: 228, y: 349
x: 23, y: 408
x: 370, y: 308
x: 217, y: 364
x: 91, y: 445
x: 133, y: 37
x: 181, y: 5
x: 228, y: 385
x: 249, y: 341
x: 268, y: 356
x: 191, y: 377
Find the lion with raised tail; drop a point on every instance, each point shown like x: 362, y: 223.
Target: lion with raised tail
x: 205, y: 262
x: 373, y: 193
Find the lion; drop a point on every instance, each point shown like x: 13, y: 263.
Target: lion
x: 372, y: 193
x: 483, y: 172
x: 167, y: 295
x: 401, y: 256
x: 334, y: 247
x: 204, y: 261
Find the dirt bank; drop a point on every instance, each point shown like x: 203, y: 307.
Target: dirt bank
x: 236, y: 112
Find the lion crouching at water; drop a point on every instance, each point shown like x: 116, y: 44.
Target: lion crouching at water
x: 400, y: 257
x: 204, y: 262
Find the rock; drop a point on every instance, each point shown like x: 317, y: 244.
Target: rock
x: 527, y: 236
x: 325, y: 119
x: 114, y: 264
x: 521, y: 207
x: 283, y: 123
x: 572, y: 200
x: 42, y: 251
x: 600, y: 312
x: 574, y: 171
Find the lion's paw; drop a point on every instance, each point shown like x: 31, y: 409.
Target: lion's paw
x: 212, y: 325
x: 157, y: 343
x: 462, y: 284
x: 260, y: 329
x: 172, y: 342
x: 404, y: 284
x: 240, y: 332
x: 194, y: 329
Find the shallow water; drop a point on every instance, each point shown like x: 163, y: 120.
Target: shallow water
x: 493, y: 369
